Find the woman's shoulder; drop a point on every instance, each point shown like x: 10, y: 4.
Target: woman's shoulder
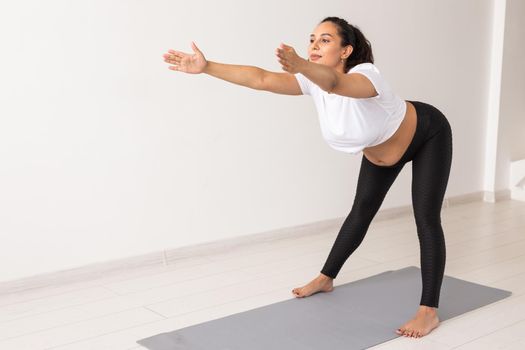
x: 364, y: 66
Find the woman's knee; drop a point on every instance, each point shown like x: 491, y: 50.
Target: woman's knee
x: 365, y: 206
x: 430, y: 225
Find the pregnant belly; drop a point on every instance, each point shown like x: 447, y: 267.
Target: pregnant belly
x: 390, y: 152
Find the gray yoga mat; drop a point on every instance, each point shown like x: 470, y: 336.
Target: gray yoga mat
x: 355, y: 315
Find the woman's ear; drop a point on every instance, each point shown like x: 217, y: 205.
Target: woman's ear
x: 350, y: 49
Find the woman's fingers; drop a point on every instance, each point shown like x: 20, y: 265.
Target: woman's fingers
x: 173, y: 53
x: 174, y: 57
x: 171, y: 60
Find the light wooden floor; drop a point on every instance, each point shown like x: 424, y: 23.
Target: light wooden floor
x: 485, y: 244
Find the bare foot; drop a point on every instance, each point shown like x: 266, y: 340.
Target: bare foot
x: 322, y: 283
x: 424, y: 322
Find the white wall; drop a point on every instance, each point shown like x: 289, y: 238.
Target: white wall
x: 505, y: 118
x: 511, y: 133
x: 105, y: 153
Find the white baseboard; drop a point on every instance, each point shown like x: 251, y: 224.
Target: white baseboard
x: 493, y: 197
x: 165, y: 257
x: 517, y: 180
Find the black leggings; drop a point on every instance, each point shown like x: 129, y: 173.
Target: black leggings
x: 431, y: 154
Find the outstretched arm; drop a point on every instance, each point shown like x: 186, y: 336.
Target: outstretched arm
x: 327, y: 78
x: 323, y: 76
x: 196, y: 63
x: 248, y: 76
x: 354, y: 85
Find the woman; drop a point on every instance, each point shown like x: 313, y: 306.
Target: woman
x: 359, y: 112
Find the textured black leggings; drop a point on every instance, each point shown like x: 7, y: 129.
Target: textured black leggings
x: 431, y: 154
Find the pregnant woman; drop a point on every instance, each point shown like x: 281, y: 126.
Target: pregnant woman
x: 358, y: 112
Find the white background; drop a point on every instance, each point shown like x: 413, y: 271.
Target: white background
x: 107, y: 154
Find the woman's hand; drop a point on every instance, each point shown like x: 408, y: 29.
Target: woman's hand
x: 183, y: 62
x: 289, y: 60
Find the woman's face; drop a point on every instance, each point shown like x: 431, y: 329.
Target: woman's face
x: 325, y: 47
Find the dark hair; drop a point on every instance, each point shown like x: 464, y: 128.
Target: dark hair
x: 352, y: 35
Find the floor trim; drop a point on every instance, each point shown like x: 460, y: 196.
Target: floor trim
x: 165, y: 257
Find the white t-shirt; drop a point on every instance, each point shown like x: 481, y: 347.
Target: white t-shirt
x: 350, y: 124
